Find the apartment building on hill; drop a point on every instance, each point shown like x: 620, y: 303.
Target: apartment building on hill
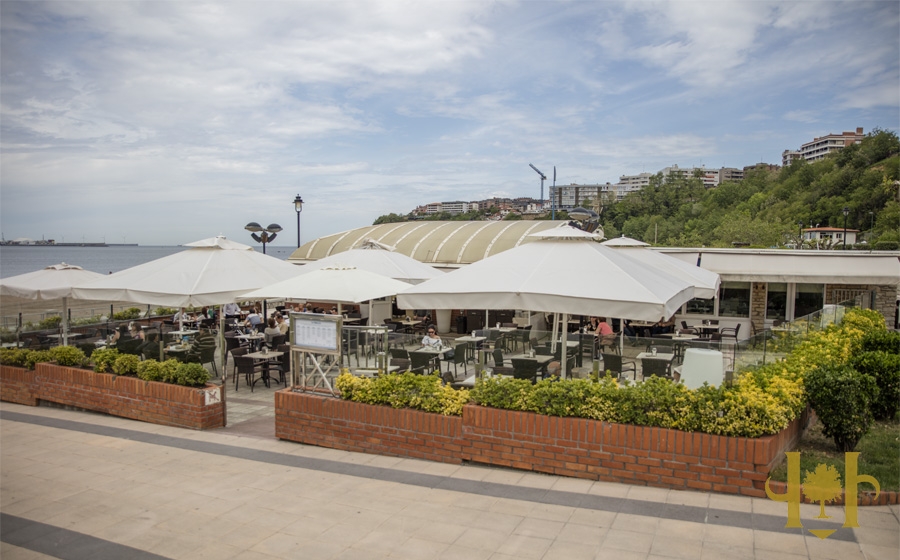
x: 818, y: 148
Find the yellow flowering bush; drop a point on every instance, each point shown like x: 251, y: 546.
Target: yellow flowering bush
x: 403, y: 390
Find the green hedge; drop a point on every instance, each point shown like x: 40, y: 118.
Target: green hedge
x: 110, y: 360
x: 403, y: 390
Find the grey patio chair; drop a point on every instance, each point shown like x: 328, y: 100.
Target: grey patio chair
x: 615, y: 364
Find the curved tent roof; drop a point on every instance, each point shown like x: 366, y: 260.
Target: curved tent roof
x: 446, y: 244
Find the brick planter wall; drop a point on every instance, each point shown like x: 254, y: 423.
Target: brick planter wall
x: 565, y: 446
x: 128, y: 397
x: 329, y: 422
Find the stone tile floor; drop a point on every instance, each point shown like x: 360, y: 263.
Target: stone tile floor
x: 83, y: 485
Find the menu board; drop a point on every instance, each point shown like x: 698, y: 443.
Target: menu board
x: 316, y: 332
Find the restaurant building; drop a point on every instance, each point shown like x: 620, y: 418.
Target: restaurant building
x: 759, y: 286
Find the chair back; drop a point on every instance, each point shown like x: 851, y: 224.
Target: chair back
x: 524, y: 369
x: 460, y: 353
x: 277, y: 340
x: 399, y: 353
x: 243, y: 364
x: 286, y: 357
x: 612, y: 362
x: 655, y: 366
x: 420, y: 362
x: 498, y: 357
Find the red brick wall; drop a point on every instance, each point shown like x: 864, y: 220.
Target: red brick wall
x: 565, y: 446
x: 128, y: 397
x: 339, y: 424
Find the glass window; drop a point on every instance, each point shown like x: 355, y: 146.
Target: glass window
x: 809, y: 299
x: 699, y: 306
x: 776, y: 301
x: 734, y: 299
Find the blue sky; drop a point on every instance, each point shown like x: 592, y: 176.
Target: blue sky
x: 164, y: 123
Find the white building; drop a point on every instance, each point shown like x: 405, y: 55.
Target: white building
x: 829, y: 236
x: 820, y: 147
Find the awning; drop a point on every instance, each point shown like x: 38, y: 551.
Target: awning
x: 812, y: 267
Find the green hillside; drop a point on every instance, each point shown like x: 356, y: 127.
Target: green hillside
x: 766, y: 208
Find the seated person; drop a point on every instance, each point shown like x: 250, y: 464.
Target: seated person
x: 283, y: 325
x: 253, y: 319
x: 271, y: 330
x: 135, y: 331
x: 601, y: 328
x: 150, y: 345
x: 663, y: 326
x: 431, y: 339
x: 121, y: 334
x: 204, y: 340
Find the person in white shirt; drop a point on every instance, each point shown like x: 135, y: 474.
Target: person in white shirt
x: 431, y: 340
x: 253, y: 319
x: 232, y: 310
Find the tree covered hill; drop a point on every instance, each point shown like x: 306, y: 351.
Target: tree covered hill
x: 768, y: 208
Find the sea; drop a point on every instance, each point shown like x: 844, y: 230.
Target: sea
x: 20, y: 259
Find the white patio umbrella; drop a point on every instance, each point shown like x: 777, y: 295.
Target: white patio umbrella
x: 565, y: 271
x: 337, y: 284
x: 213, y: 272
x: 705, y: 282
x: 52, y: 283
x: 380, y: 259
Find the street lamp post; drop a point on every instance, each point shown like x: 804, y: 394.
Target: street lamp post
x: 800, y: 235
x: 845, y: 212
x: 298, y: 207
x: 268, y: 233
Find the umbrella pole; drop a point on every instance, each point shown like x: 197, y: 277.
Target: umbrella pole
x: 65, y: 321
x: 565, y: 346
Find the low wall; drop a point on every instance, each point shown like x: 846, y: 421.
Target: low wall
x: 197, y: 408
x: 575, y: 447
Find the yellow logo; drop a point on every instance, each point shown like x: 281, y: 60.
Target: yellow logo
x: 822, y: 485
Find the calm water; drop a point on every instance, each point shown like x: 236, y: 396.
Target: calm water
x: 15, y: 260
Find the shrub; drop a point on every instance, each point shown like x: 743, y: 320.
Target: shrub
x: 68, y: 356
x: 126, y: 364
x: 166, y: 311
x: 33, y: 357
x: 842, y: 398
x: 50, y: 323
x: 150, y: 370
x: 881, y: 340
x: 885, y: 369
x: 404, y: 390
x: 104, y: 358
x: 126, y: 314
x: 191, y: 375
x: 13, y: 356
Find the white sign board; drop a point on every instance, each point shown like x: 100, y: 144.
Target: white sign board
x: 314, y: 332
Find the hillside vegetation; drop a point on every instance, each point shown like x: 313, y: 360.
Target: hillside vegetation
x: 766, y: 209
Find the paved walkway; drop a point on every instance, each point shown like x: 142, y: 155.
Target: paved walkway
x: 79, y: 485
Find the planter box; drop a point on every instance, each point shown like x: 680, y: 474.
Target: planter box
x: 564, y: 446
x: 197, y: 408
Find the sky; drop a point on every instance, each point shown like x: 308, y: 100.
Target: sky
x: 169, y: 122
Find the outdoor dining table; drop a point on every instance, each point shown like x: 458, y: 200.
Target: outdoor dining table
x: 252, y: 339
x: 658, y: 356
x: 185, y: 332
x: 266, y: 357
x: 435, y: 353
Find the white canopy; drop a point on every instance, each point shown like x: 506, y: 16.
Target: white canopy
x: 51, y: 283
x: 214, y: 271
x: 575, y: 276
x: 705, y: 282
x: 332, y: 285
x: 374, y: 258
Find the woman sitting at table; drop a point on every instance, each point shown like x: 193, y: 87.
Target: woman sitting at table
x: 121, y: 334
x: 431, y: 340
x: 271, y: 330
x: 601, y: 327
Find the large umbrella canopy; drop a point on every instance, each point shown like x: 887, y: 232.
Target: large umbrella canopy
x: 52, y: 283
x: 332, y: 285
x: 212, y: 272
x: 705, y: 282
x: 376, y: 258
x: 565, y: 272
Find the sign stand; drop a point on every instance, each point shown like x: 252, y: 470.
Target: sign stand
x: 315, y: 340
